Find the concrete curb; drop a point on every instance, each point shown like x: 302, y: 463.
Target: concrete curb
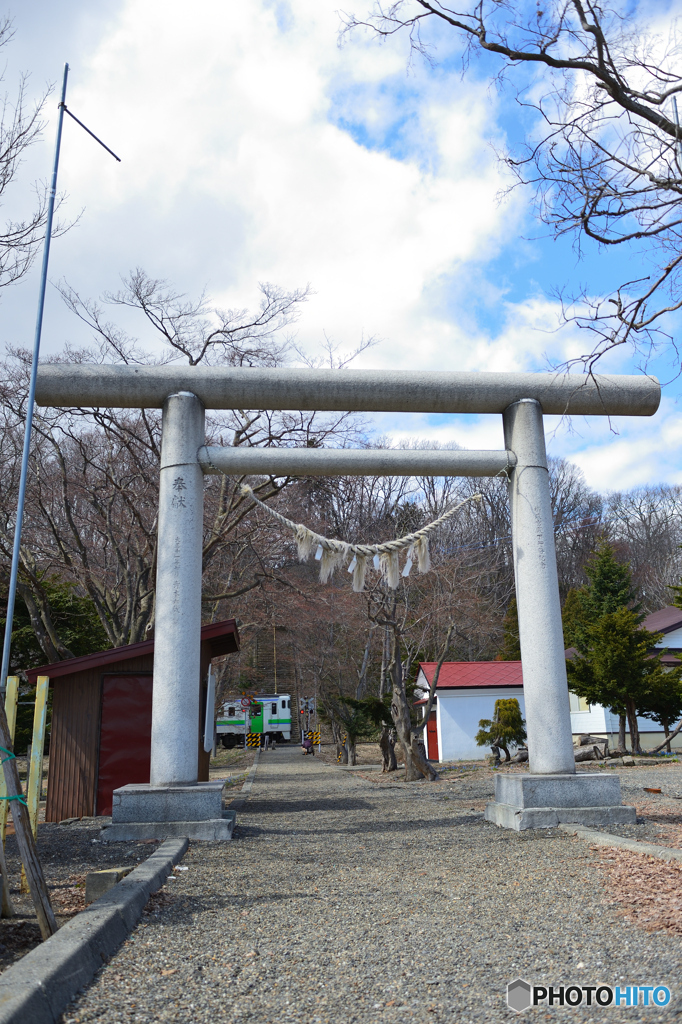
x: 239, y: 801
x: 606, y: 839
x: 38, y: 988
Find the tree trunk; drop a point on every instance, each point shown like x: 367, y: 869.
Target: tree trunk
x: 341, y: 751
x: 351, y: 754
x: 621, y: 733
x: 666, y: 730
x: 387, y: 746
x: 41, y: 624
x: 587, y: 753
x: 632, y: 724
x: 416, y: 766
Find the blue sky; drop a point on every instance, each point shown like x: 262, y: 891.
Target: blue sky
x: 255, y: 148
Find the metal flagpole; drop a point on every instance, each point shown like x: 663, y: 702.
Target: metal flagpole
x: 32, y: 385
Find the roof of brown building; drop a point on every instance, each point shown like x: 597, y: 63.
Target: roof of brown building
x: 221, y: 637
x: 664, y: 620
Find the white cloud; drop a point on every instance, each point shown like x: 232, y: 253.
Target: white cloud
x: 241, y: 163
x: 255, y: 149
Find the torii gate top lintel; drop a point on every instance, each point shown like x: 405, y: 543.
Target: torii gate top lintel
x: 432, y: 391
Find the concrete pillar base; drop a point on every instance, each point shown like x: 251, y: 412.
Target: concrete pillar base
x: 544, y: 801
x: 198, y: 801
x: 211, y: 830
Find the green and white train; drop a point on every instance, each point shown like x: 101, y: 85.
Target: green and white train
x: 273, y: 719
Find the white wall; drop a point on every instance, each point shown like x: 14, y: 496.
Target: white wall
x: 460, y: 711
x: 671, y: 639
x: 600, y: 720
x: 594, y: 720
x: 459, y: 714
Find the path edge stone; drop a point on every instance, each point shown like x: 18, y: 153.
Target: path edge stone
x: 37, y: 988
x: 608, y: 839
x: 245, y: 792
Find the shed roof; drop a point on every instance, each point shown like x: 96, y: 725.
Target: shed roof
x: 462, y: 674
x: 220, y: 637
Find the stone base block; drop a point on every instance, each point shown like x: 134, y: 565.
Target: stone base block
x: 544, y: 801
x: 200, y: 801
x: 211, y: 830
x: 99, y: 882
x: 549, y: 817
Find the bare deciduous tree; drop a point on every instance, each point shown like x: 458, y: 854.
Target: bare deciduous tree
x: 603, y: 153
x: 21, y: 126
x: 93, y: 488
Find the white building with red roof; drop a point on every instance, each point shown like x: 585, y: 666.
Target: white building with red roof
x: 467, y: 691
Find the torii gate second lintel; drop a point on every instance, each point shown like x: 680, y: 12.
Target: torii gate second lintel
x: 552, y: 791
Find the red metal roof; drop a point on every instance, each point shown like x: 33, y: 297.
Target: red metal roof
x: 456, y: 674
x: 221, y: 637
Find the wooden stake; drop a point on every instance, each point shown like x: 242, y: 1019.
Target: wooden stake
x: 34, y: 784
x: 25, y: 840
x: 11, y: 697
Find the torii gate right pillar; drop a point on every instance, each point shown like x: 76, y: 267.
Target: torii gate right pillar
x: 552, y: 792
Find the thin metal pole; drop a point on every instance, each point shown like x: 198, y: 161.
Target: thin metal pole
x: 31, y: 398
x: 274, y: 652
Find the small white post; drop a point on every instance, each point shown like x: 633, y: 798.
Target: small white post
x: 545, y: 690
x: 177, y: 632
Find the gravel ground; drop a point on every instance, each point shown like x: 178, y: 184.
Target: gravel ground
x: 341, y: 901
x: 69, y: 851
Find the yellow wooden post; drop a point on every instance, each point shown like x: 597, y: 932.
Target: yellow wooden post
x: 11, y: 697
x: 34, y: 786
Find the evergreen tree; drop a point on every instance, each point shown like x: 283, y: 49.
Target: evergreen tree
x: 610, y: 586
x: 511, y: 644
x: 662, y: 701
x: 609, y: 591
x: 75, y: 619
x: 677, y: 592
x: 615, y: 666
x: 572, y: 616
x: 507, y: 727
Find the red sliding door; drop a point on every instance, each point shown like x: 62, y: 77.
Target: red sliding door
x: 125, y: 734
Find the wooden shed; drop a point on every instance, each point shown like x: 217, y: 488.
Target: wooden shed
x: 102, y: 720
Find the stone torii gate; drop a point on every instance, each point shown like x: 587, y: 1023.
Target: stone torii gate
x: 174, y: 802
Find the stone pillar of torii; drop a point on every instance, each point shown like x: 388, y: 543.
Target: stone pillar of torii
x: 174, y: 802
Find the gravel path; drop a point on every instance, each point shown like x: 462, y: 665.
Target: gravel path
x: 345, y: 901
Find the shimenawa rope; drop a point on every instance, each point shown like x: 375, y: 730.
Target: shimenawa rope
x: 332, y: 553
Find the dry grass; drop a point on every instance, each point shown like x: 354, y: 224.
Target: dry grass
x: 648, y: 890
x: 668, y: 820
x: 68, y: 897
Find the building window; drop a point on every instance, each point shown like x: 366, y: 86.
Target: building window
x: 577, y: 703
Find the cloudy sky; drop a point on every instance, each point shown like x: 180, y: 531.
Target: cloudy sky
x: 255, y: 148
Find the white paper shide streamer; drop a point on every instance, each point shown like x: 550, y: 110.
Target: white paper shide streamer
x: 385, y: 557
